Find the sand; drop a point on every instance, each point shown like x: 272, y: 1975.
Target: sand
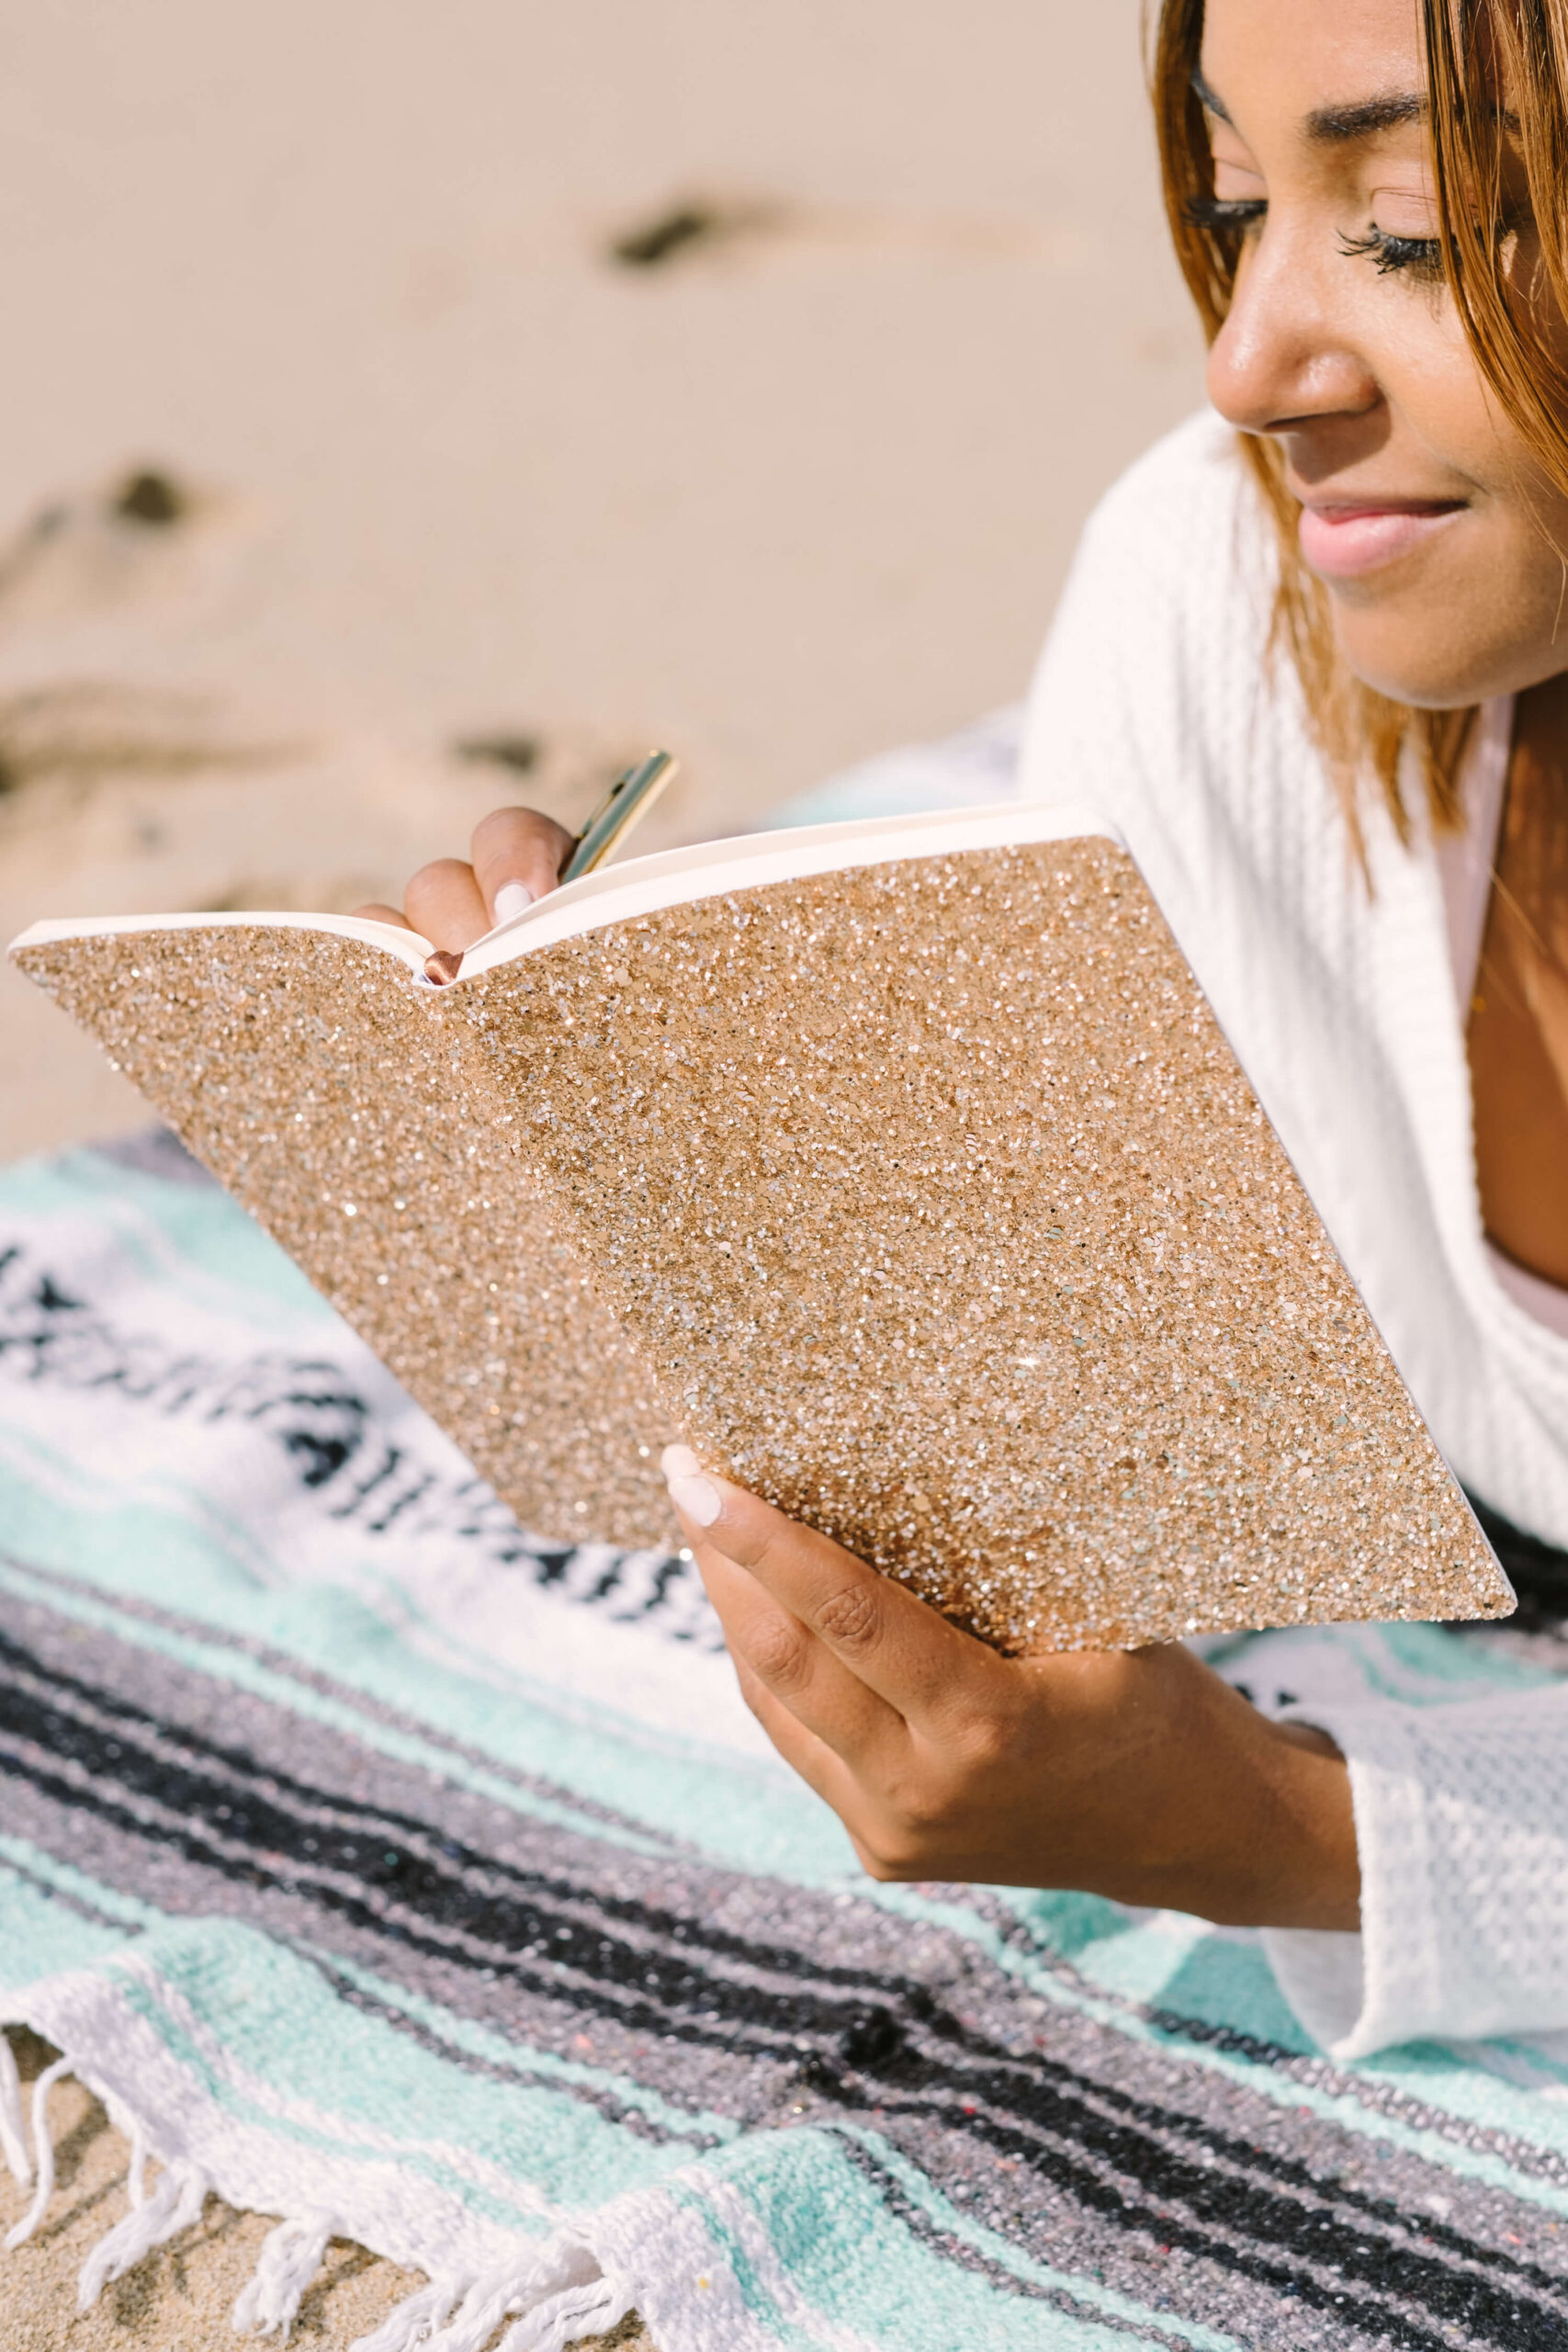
x: 351, y: 484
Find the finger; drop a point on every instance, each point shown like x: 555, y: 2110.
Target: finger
x: 518, y: 856
x: 783, y: 1656
x: 903, y: 1650
x: 802, y: 1751
x: 443, y: 902
x: 377, y: 913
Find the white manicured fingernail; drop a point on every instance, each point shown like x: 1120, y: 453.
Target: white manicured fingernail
x: 693, y: 1496
x: 510, y: 899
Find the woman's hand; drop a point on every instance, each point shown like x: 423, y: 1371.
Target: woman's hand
x: 1138, y: 1775
x: 516, y: 857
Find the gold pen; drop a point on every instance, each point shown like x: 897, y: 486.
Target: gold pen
x: 628, y: 800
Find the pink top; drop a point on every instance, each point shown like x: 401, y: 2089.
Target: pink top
x: 1466, y: 863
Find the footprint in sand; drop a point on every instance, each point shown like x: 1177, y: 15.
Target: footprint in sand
x: 147, y: 542
x: 74, y: 733
x: 695, y: 226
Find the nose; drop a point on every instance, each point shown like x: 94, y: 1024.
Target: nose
x: 1288, y: 352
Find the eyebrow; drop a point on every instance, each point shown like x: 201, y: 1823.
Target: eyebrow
x: 1336, y: 125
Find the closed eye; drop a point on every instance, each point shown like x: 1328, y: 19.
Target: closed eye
x: 1420, y: 258
x: 1225, y: 212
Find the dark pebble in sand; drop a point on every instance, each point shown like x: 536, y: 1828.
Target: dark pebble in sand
x: 148, y: 496
x: 519, y: 752
x: 646, y: 247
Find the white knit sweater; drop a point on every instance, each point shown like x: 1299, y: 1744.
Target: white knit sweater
x: 1155, y: 702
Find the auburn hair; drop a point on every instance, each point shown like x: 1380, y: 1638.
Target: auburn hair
x: 1474, y: 49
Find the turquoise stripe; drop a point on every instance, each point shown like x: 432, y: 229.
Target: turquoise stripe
x: 277, y: 2019
x: 189, y: 1237
x: 760, y: 2302
x: 480, y: 2042
x: 1425, y: 1665
x: 1175, y: 1963
x: 82, y: 1523
x: 1448, y: 1667
x: 72, y: 1884
x: 40, y: 1937
x: 1172, y: 1962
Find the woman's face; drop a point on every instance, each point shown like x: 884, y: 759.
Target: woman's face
x: 1423, y: 514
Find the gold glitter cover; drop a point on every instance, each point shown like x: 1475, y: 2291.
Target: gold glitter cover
x: 924, y: 1198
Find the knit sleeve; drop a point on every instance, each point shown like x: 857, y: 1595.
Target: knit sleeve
x: 1461, y: 1822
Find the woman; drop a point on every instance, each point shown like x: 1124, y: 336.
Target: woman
x: 1319, y: 675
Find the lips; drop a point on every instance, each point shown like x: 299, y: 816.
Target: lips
x: 1343, y: 539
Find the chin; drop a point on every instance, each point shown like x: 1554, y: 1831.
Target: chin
x: 1429, y: 668
x: 1438, y: 643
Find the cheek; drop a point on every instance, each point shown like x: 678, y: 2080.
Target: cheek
x: 1482, y: 613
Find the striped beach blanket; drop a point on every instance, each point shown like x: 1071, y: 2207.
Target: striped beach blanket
x: 389, y: 1870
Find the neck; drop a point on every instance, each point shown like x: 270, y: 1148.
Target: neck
x: 1518, y: 1023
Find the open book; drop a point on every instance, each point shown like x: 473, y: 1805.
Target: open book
x: 900, y: 1168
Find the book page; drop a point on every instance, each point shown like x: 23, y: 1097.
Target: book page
x: 644, y: 885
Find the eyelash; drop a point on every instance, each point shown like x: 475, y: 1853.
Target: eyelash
x: 1421, y: 258
x: 1417, y: 257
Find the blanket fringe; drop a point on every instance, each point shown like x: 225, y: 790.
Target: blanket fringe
x: 136, y: 2178
x: 43, y: 2154
x: 417, y: 2318
x: 156, y: 2215
x: 13, y: 2131
x: 481, y: 2313
x: 289, y: 2258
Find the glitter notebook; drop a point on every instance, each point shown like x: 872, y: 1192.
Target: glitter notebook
x: 900, y: 1169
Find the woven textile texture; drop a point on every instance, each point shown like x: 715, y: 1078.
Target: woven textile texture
x: 411, y: 1881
